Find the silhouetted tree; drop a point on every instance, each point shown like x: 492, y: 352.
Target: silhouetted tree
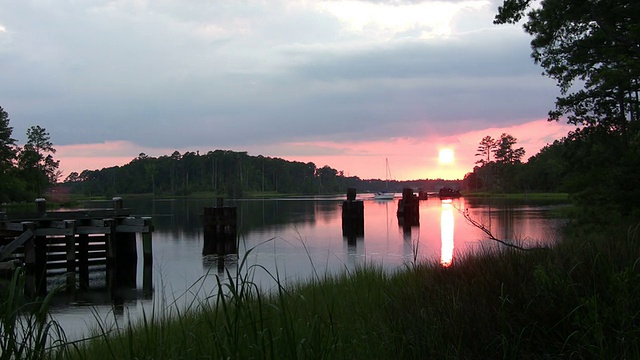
x: 592, y: 50
x: 72, y: 177
x: 595, y: 43
x: 504, y: 151
x: 485, y: 149
x: 11, y: 186
x: 37, y: 165
x: 7, y: 143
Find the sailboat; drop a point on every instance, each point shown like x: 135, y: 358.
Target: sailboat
x: 386, y: 194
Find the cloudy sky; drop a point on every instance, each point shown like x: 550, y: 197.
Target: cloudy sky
x: 339, y: 83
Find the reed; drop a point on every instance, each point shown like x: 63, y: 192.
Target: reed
x: 26, y: 330
x: 575, y: 300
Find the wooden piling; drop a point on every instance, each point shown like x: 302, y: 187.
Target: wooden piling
x: 83, y: 260
x: 40, y: 270
x: 220, y: 230
x: 408, y: 208
x: 118, y: 203
x: 352, y: 217
x: 110, y: 241
x: 147, y: 256
x: 351, y: 194
x: 30, y: 261
x: 126, y: 260
x: 70, y: 247
x: 41, y: 205
x: 147, y: 251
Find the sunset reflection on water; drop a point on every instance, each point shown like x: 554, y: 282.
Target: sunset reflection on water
x: 303, y: 238
x: 446, y: 233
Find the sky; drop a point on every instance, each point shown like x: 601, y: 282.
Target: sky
x: 348, y: 84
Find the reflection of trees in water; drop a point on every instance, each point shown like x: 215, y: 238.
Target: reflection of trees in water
x: 515, y: 223
x: 181, y: 217
x: 505, y: 219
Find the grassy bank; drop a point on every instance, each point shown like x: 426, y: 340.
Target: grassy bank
x: 577, y: 300
x: 518, y: 196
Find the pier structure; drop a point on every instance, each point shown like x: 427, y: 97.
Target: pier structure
x: 74, y: 241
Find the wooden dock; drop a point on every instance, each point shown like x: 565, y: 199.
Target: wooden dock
x: 73, y: 241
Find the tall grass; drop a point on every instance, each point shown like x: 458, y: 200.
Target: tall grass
x: 26, y: 330
x: 576, y: 300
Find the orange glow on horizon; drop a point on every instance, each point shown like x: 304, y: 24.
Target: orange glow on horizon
x: 409, y: 158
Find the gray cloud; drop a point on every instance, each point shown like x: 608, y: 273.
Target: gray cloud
x: 179, y: 74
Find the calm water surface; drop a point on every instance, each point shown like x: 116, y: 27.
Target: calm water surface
x: 295, y: 239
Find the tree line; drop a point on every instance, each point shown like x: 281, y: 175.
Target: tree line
x: 221, y: 171
x: 592, y: 50
x: 25, y: 171
x: 228, y: 173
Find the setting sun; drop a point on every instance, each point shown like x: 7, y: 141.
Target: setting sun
x: 445, y: 156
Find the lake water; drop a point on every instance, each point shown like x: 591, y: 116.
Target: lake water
x: 294, y: 239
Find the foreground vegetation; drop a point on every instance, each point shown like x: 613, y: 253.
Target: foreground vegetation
x: 576, y: 300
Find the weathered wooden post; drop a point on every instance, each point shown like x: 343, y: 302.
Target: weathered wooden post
x: 41, y: 206
x: 147, y: 283
x: 408, y: 208
x: 219, y: 230
x: 352, y: 217
x: 70, y: 247
x: 126, y: 259
x: 83, y: 260
x: 125, y: 251
x: 32, y: 281
x: 40, y: 249
x: 110, y: 241
x: 118, y: 203
x: 40, y: 272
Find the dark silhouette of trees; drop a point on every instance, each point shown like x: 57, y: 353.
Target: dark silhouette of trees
x: 485, y: 149
x: 9, y: 184
x: 35, y: 160
x: 498, y: 175
x: 222, y: 171
x: 7, y: 143
x: 592, y: 50
x: 28, y: 171
x: 504, y: 151
x: 226, y: 173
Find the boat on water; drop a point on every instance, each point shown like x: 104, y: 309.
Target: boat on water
x: 448, y: 193
x: 385, y: 194
x: 422, y: 195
